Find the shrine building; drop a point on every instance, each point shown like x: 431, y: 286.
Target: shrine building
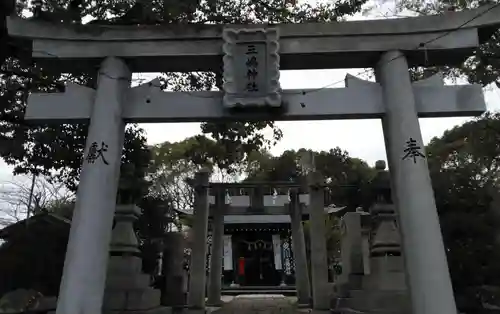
x: 257, y: 242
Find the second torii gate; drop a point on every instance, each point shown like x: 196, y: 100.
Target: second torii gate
x: 391, y: 46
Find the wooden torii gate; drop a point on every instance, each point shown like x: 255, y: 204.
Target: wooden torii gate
x: 390, y: 46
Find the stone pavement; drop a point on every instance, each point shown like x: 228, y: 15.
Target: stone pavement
x: 258, y: 304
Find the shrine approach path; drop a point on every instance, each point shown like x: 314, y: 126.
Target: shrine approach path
x: 259, y: 304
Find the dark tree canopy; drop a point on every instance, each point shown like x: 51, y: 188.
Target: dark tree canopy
x: 347, y: 177
x: 483, y: 66
x: 464, y: 165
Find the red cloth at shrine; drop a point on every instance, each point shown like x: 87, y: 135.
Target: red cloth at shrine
x: 241, y: 266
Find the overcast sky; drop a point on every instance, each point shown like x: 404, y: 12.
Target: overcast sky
x: 361, y: 138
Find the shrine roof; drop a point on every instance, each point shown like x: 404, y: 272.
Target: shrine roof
x: 247, y: 215
x: 36, y: 223
x: 427, y: 40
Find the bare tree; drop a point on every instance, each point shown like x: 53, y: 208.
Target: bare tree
x: 172, y: 181
x: 24, y: 196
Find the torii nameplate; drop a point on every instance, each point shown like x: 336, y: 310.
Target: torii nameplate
x: 251, y: 68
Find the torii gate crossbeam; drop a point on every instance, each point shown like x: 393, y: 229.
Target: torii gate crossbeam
x: 448, y: 40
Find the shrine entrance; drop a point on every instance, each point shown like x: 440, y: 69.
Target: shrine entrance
x: 252, y: 57
x: 257, y: 252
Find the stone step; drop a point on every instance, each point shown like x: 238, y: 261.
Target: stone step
x: 359, y: 307
x: 130, y: 300
x: 262, y: 288
x: 133, y: 281
x: 353, y: 311
x: 381, y: 294
x: 386, y: 302
x: 259, y: 292
x: 159, y: 310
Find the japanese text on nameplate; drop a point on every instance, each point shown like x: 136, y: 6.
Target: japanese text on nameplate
x: 95, y: 152
x: 251, y: 65
x: 412, y: 150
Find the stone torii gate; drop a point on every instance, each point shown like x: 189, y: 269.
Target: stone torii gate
x: 390, y: 46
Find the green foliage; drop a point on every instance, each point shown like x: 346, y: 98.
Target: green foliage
x: 464, y: 165
x: 333, y: 237
x: 156, y: 219
x: 135, y: 162
x: 345, y: 176
x: 483, y: 66
x: 55, y: 150
x: 473, y: 146
x: 173, y: 164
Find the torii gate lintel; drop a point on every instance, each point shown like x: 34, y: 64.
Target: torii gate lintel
x: 359, y: 100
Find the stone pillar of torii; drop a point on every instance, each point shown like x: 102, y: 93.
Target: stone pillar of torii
x: 302, y: 281
x: 215, y: 274
x: 252, y: 58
